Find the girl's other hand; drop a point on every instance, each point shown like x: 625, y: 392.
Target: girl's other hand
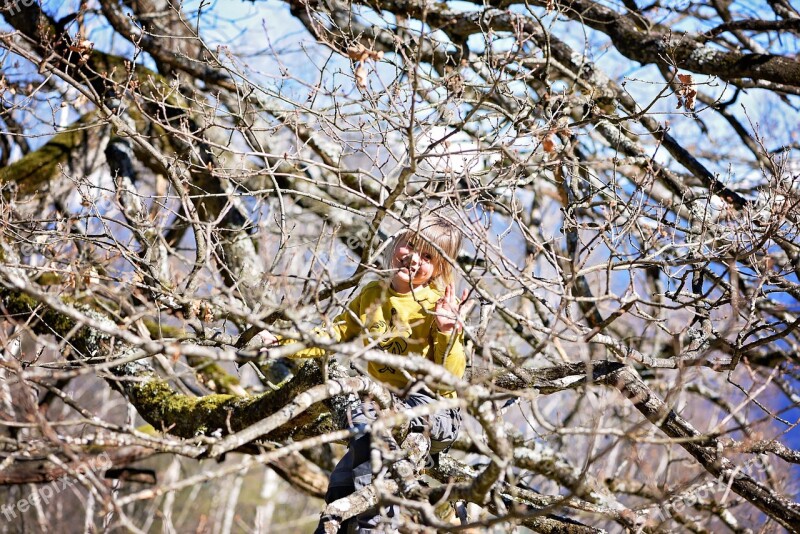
x: 448, y: 310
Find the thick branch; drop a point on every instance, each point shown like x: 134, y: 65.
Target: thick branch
x: 37, y: 471
x: 35, y: 170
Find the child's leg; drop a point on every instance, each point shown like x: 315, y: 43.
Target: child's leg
x: 442, y: 426
x: 354, y: 472
x: 362, y: 471
x: 340, y: 485
x: 344, y: 474
x: 361, y: 446
x: 340, y: 482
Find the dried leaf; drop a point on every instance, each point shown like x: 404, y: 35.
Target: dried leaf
x: 548, y: 143
x: 360, y: 53
x: 690, y: 100
x: 82, y: 46
x: 206, y: 313
x: 91, y: 277
x: 455, y: 85
x: 361, y: 76
x: 686, y: 93
x: 357, y: 53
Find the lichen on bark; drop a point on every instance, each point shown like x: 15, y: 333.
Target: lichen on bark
x: 219, y: 414
x: 21, y: 306
x: 37, y: 168
x: 162, y: 406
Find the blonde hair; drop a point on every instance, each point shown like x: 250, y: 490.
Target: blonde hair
x: 433, y: 235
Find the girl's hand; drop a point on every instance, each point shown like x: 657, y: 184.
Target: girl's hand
x: 263, y: 340
x: 448, y: 310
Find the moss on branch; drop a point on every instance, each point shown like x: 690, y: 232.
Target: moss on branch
x: 42, y: 165
x: 214, y: 377
x: 39, y: 167
x: 209, y: 372
x: 157, y: 402
x: 220, y: 414
x: 46, y: 321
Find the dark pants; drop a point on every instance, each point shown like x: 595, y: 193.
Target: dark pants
x: 354, y: 472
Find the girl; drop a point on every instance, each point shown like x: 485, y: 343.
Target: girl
x: 416, y: 312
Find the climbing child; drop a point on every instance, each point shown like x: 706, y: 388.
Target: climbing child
x: 413, y: 312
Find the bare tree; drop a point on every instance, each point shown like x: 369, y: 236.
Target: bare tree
x: 178, y: 178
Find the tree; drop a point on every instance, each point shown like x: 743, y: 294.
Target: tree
x: 177, y: 179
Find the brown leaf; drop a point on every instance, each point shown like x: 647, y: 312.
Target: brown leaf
x: 548, y: 143
x: 690, y: 99
x: 206, y: 313
x: 356, y: 53
x: 83, y: 45
x: 360, y: 53
x: 361, y: 76
x: 455, y: 85
x: 686, y: 93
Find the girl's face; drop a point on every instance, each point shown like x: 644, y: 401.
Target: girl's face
x: 413, y: 268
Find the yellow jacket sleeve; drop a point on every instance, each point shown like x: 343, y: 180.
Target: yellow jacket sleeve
x: 453, y: 359
x: 346, y: 326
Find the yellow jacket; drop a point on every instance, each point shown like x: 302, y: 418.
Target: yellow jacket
x: 401, y: 324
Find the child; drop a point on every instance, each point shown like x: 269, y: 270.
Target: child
x: 415, y: 313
